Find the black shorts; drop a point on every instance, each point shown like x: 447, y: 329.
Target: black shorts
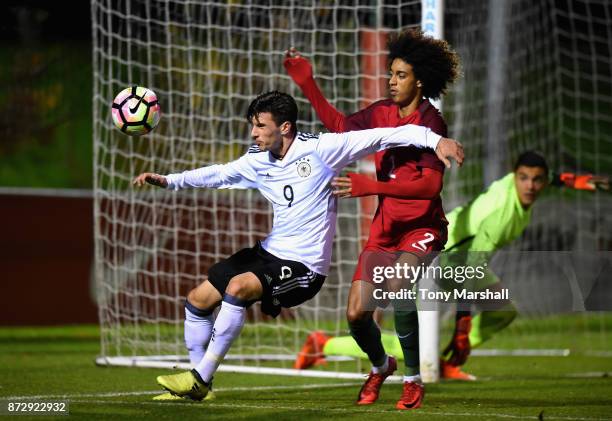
x: 286, y: 283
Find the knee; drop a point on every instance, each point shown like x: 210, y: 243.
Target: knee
x: 356, y: 316
x: 245, y: 286
x: 411, y: 316
x: 198, y: 307
x: 205, y: 297
x: 192, y: 295
x: 193, y: 299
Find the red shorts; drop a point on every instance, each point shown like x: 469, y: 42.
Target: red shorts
x: 422, y: 242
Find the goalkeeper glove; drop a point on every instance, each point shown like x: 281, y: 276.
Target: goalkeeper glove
x: 585, y: 181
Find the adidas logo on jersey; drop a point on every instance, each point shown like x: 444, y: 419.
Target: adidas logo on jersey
x: 268, y: 278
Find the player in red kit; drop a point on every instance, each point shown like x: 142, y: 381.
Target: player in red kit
x: 409, y: 220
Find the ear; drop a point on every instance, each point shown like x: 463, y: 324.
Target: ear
x: 285, y: 128
x: 419, y: 84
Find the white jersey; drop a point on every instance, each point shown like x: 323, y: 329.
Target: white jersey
x: 298, y: 185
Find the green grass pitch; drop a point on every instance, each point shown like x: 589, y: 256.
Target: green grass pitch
x: 58, y: 363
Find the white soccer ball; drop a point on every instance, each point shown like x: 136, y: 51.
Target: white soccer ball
x: 136, y: 110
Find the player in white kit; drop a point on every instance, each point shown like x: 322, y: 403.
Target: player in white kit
x: 293, y: 171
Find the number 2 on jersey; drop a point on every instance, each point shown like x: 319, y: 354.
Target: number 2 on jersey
x: 421, y: 245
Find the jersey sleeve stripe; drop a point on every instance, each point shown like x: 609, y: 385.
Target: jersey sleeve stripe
x: 254, y: 149
x: 303, y: 136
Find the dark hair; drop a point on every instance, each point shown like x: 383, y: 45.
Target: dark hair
x: 282, y: 106
x: 433, y: 62
x: 531, y: 159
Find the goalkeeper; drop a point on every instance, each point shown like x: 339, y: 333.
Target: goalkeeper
x: 293, y: 171
x: 492, y: 220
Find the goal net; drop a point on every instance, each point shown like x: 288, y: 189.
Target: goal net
x: 207, y: 60
x: 537, y: 76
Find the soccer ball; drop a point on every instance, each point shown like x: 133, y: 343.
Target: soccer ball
x: 136, y: 110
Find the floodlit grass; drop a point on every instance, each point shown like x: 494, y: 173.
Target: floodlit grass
x: 58, y: 363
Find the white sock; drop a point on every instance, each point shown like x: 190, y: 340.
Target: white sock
x: 382, y: 368
x: 226, y: 329
x: 413, y: 379
x: 197, y: 334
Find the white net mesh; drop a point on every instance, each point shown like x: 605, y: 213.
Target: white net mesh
x: 537, y: 75
x: 556, y: 98
x: 207, y: 60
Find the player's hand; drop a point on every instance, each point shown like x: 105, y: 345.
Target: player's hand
x: 342, y: 186
x: 297, y: 66
x: 600, y: 182
x: 449, y: 148
x: 151, y: 178
x: 460, y: 350
x: 585, y: 181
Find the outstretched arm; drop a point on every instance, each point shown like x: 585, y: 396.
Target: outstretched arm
x: 356, y: 185
x: 581, y: 182
x: 236, y: 173
x: 300, y: 70
x: 340, y: 150
x: 151, y: 178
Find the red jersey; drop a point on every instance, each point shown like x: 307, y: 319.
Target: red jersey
x: 409, y: 216
x: 397, y: 169
x: 395, y: 215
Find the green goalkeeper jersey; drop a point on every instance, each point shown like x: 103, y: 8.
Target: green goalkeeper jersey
x: 490, y: 221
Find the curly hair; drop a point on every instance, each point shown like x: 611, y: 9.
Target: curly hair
x: 433, y: 61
